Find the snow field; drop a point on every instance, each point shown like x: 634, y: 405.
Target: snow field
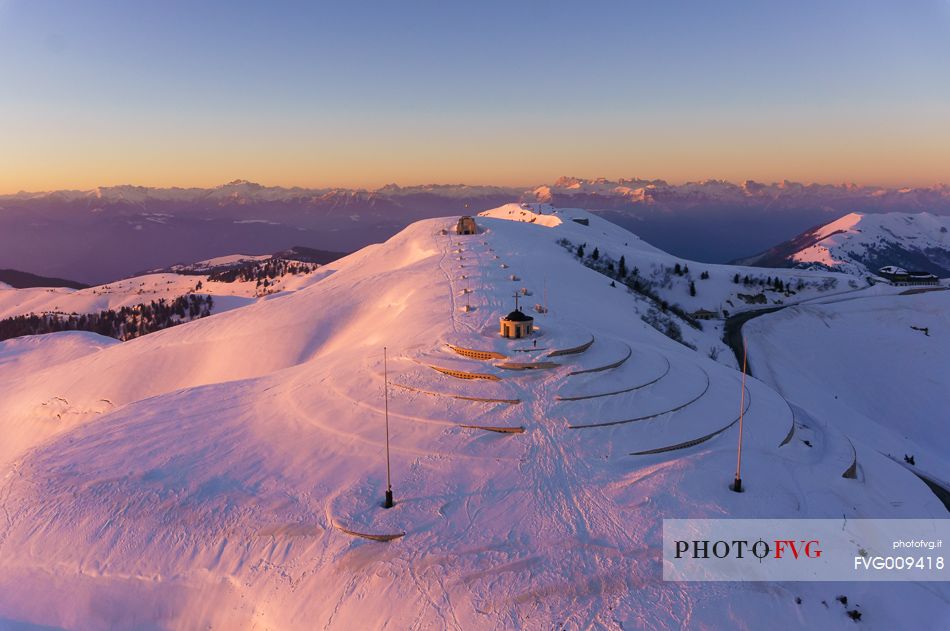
x: 213, y: 491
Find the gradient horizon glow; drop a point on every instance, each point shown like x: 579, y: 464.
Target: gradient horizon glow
x: 362, y: 94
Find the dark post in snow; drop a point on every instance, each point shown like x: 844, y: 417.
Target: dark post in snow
x: 737, y: 484
x: 389, y: 485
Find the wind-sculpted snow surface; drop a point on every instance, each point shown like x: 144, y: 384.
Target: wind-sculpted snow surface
x: 882, y: 362
x: 239, y: 454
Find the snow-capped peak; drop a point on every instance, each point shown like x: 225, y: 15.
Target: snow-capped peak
x: 844, y: 224
x: 860, y: 244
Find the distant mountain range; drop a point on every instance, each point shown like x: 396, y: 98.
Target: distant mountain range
x: 112, y: 232
x: 596, y: 191
x: 860, y: 244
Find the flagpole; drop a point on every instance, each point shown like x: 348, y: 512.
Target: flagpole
x: 389, y: 485
x: 737, y: 484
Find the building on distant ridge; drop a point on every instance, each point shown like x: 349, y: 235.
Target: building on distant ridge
x: 899, y: 276
x: 467, y: 225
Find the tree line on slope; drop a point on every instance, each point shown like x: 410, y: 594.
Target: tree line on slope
x: 659, y: 315
x: 123, y: 324
x: 261, y: 272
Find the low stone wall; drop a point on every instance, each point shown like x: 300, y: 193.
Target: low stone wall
x: 684, y: 445
x: 695, y: 441
x: 649, y: 416
x: 528, y: 365
x: 476, y: 354
x: 496, y: 429
x: 791, y: 430
x: 461, y: 374
x: 572, y: 351
x: 616, y: 364
x: 851, y: 473
x: 456, y: 396
x: 367, y: 535
x: 610, y: 394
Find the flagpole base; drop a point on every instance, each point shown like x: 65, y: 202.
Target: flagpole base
x: 736, y: 485
x: 388, y: 503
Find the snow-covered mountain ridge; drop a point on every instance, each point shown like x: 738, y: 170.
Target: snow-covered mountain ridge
x: 54, y: 233
x: 860, y: 244
x: 686, y: 286
x: 218, y: 285
x: 648, y: 191
x: 212, y: 474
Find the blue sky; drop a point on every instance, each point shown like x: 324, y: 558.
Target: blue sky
x: 360, y: 94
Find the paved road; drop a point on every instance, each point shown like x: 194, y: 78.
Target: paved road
x: 732, y: 331
x: 732, y: 336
